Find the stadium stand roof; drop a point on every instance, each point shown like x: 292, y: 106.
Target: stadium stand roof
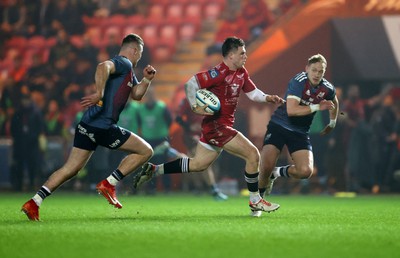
x: 360, y: 39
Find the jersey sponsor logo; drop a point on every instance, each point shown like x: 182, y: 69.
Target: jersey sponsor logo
x: 130, y: 84
x: 205, y: 77
x: 321, y: 95
x: 308, y: 92
x: 213, y: 73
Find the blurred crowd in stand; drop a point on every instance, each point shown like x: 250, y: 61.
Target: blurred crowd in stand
x: 48, y: 59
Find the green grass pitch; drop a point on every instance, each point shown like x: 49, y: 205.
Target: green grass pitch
x: 78, y: 225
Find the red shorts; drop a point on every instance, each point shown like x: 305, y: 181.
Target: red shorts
x: 217, y: 134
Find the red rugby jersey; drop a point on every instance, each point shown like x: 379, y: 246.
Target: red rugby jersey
x: 226, y: 84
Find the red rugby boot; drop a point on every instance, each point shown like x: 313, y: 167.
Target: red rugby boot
x: 31, y: 209
x: 108, y: 191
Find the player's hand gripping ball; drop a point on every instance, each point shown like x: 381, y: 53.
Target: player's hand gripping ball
x: 206, y: 97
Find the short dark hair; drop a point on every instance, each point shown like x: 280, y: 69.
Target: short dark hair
x: 231, y: 43
x: 318, y: 58
x: 132, y: 38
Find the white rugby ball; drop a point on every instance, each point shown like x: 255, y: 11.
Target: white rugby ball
x: 204, y: 97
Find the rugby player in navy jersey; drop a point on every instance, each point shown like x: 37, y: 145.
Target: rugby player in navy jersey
x: 115, y: 82
x: 308, y: 92
x: 226, y: 80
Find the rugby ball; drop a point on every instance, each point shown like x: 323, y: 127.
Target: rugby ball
x: 206, y: 97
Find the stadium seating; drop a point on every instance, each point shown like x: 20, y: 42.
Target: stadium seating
x: 165, y: 24
x: 150, y: 34
x: 156, y: 11
x: 187, y: 32
x: 16, y: 42
x: 37, y: 42
x: 212, y: 11
x: 117, y: 20
x: 174, y: 10
x: 131, y: 29
x: 76, y: 40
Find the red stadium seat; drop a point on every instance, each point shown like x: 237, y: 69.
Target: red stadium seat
x: 212, y: 11
x: 117, y: 20
x: 17, y: 42
x: 134, y: 24
x: 50, y: 42
x: 156, y: 11
x: 181, y: 2
x: 174, y: 10
x: 46, y: 54
x: 168, y: 32
x: 135, y: 20
x: 150, y: 34
x: 36, y: 42
x: 27, y: 57
x: 193, y: 10
x: 76, y: 40
x: 187, y: 32
x: 116, y: 30
x: 42, y: 54
x: 193, y: 15
x: 131, y: 29
x: 95, y: 35
x: 12, y: 52
x: 162, y: 2
x: 161, y: 53
x: 94, y: 21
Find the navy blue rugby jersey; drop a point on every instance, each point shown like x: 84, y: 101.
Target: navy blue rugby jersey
x: 116, y: 93
x: 300, y: 86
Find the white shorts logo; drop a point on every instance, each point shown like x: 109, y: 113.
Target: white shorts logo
x: 83, y: 131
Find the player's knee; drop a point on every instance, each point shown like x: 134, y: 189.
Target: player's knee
x: 304, y: 172
x: 254, y: 156
x: 148, y: 153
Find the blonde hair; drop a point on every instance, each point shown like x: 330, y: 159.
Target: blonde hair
x: 317, y: 58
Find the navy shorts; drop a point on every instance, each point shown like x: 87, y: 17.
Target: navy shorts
x: 280, y: 136
x: 88, y: 137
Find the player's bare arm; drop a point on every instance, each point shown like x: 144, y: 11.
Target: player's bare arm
x: 333, y: 114
x: 140, y: 90
x: 257, y: 95
x: 295, y: 109
x: 103, y: 71
x: 275, y: 99
x: 191, y: 86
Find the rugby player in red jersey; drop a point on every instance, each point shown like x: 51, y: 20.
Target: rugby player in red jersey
x: 226, y: 80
